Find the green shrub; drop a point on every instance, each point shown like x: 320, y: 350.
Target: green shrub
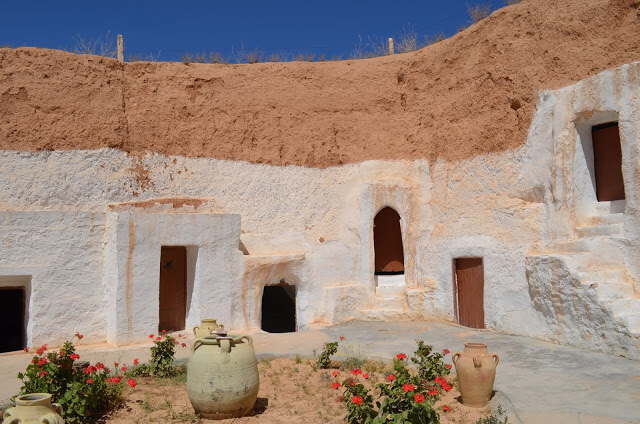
x: 404, y: 398
x: 324, y: 360
x: 495, y: 419
x: 162, y: 356
x: 82, y: 393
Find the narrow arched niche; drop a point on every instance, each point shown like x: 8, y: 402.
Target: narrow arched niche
x: 387, y: 243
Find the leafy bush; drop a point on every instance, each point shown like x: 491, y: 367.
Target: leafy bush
x: 495, y: 419
x: 82, y: 393
x: 324, y: 360
x: 404, y: 398
x: 162, y: 355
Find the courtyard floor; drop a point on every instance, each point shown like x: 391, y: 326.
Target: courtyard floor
x: 536, y: 381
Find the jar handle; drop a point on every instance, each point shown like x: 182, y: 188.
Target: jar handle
x: 51, y: 418
x: 8, y: 419
x: 496, y: 357
x: 243, y: 336
x: 477, y: 361
x: 455, y: 357
x: 196, y: 328
x: 57, y: 407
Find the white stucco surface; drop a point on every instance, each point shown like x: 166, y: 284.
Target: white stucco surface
x: 531, y: 214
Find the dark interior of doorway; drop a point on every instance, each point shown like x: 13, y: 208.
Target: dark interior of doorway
x: 387, y: 243
x: 607, y: 162
x: 279, y: 309
x: 12, y: 316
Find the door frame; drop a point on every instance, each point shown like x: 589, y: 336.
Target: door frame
x: 456, y: 307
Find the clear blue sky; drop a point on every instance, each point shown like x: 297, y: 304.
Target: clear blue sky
x: 329, y: 27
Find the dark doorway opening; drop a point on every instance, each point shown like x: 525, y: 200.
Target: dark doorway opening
x: 12, y: 315
x: 387, y: 243
x: 468, y: 282
x: 279, y: 309
x: 173, y: 288
x: 607, y: 162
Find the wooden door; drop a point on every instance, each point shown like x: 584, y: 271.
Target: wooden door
x: 12, y: 315
x: 469, y: 284
x: 607, y: 162
x: 173, y: 287
x: 387, y: 242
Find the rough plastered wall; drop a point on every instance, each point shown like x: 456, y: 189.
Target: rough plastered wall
x: 313, y: 228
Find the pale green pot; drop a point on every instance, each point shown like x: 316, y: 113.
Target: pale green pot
x: 34, y: 408
x: 206, y: 327
x: 222, y: 376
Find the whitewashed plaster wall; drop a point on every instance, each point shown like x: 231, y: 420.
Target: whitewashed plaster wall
x: 313, y: 227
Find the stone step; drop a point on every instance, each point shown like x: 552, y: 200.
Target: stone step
x: 631, y: 320
x: 610, y: 208
x: 613, y: 291
x: 609, y: 218
x: 624, y: 306
x: 390, y: 290
x: 601, y: 230
x: 603, y: 275
x: 598, y: 259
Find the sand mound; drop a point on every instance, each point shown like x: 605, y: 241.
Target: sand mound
x: 471, y: 94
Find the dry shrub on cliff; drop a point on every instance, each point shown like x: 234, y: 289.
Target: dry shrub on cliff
x: 478, y: 12
x: 95, y: 46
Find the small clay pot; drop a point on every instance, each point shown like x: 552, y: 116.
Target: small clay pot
x: 34, y: 408
x: 476, y: 371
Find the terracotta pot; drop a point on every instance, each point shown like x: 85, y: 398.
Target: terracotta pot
x: 206, y: 327
x: 34, y: 408
x: 476, y: 370
x: 222, y: 376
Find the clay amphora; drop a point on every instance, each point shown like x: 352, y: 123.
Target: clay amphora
x: 34, y: 408
x: 222, y: 376
x: 476, y: 370
x: 206, y: 327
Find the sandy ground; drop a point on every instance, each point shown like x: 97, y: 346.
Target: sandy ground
x: 289, y: 392
x: 471, y: 94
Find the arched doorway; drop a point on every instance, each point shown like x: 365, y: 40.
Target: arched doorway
x: 387, y: 243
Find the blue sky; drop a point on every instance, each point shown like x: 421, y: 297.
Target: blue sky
x: 172, y: 28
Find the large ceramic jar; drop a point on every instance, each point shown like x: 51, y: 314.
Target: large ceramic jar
x: 222, y: 376
x: 34, y: 408
x: 206, y: 327
x: 476, y: 370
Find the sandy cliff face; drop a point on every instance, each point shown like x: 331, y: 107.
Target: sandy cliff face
x: 471, y: 94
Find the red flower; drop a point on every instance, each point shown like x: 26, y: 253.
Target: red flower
x: 90, y: 369
x: 184, y: 344
x: 335, y: 373
x: 26, y: 349
x: 352, y: 383
x: 158, y: 338
x: 43, y: 373
x: 336, y: 385
x: 341, y: 338
x: 419, y: 397
x: 445, y: 351
x: 42, y: 361
x: 79, y: 336
x: 131, y: 382
x: 135, y: 361
x: 115, y: 380
x: 445, y: 408
x: 401, y: 356
x: 164, y: 331
x: 115, y: 364
x: 447, y: 387
x: 100, y: 366
x: 434, y: 391
x: 356, y: 371
x: 448, y: 366
x: 390, y: 377
x: 408, y: 387
x: 151, y: 336
x: 89, y: 380
x: 123, y: 369
x: 176, y: 342
x: 74, y: 356
x: 365, y: 375
x: 357, y: 400
x: 441, y: 380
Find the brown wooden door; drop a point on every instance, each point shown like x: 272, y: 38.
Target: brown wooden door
x: 607, y: 161
x: 470, y: 291
x: 387, y: 242
x: 173, y: 288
